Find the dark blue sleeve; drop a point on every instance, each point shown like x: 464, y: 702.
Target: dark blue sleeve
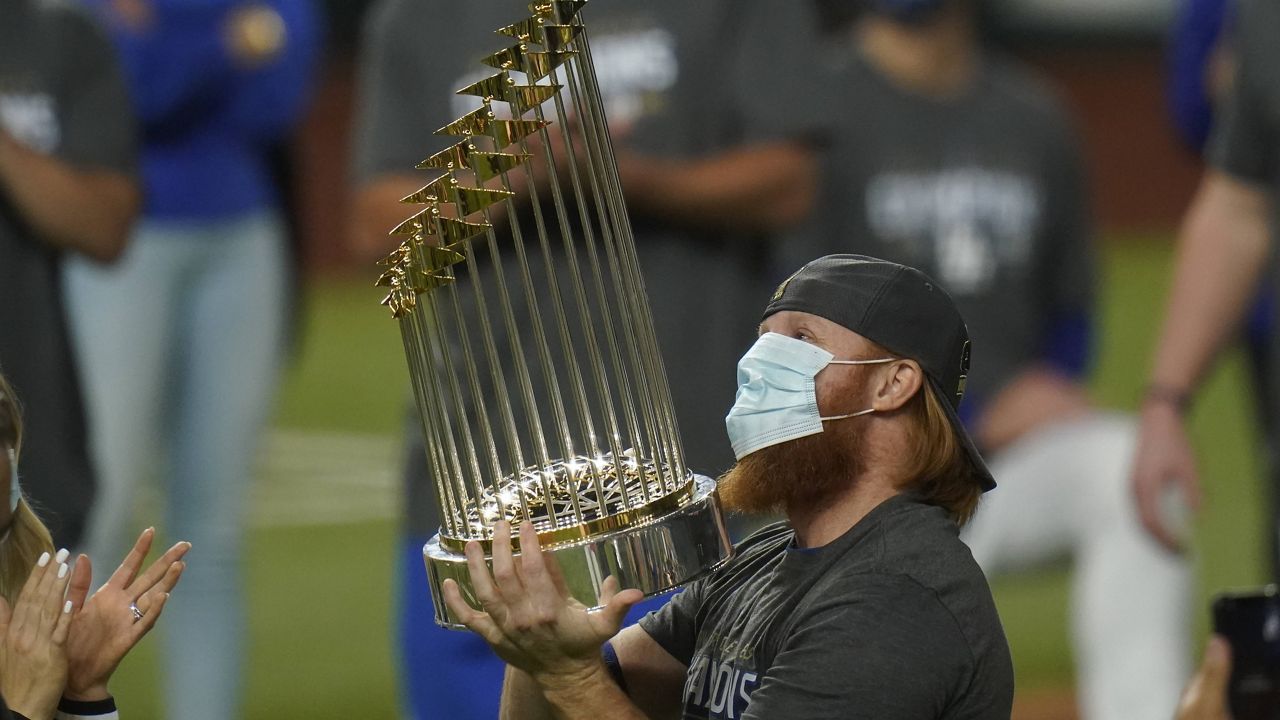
x: 1196, y: 34
x: 268, y: 101
x: 1068, y: 342
x: 178, y: 66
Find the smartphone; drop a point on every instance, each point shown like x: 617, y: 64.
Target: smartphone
x: 1250, y: 621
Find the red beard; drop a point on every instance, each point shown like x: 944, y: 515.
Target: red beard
x: 797, y: 474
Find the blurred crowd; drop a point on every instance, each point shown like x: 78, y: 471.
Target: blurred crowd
x: 149, y: 255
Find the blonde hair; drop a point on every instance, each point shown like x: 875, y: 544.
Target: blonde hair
x: 26, y: 537
x: 941, y: 471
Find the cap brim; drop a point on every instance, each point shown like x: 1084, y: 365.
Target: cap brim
x: 975, y: 457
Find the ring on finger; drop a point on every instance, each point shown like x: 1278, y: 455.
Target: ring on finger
x: 137, y: 613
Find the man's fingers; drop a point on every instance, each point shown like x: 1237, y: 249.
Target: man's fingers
x: 476, y: 621
x: 505, y: 576
x: 81, y: 580
x: 481, y: 581
x: 128, y: 569
x: 157, y: 571
x: 608, y: 620
x: 533, y: 566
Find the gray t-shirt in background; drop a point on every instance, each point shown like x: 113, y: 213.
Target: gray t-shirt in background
x: 891, y: 621
x: 690, y: 80
x: 985, y: 192
x: 1246, y: 134
x: 61, y: 93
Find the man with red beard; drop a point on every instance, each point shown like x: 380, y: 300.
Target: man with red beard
x: 863, y: 604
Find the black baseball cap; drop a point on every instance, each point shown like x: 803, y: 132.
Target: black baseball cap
x: 899, y: 308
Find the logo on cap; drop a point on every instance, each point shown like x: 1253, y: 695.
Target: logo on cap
x: 964, y: 371
x: 777, y: 294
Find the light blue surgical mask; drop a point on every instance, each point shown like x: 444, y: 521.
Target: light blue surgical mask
x: 15, y: 490
x: 776, y: 399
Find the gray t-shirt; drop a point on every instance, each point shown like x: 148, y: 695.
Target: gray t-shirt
x: 60, y: 93
x: 891, y: 621
x: 984, y: 192
x: 690, y: 79
x: 1246, y: 135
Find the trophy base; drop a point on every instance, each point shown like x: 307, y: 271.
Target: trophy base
x: 653, y: 557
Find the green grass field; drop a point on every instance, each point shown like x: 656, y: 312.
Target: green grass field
x: 322, y: 583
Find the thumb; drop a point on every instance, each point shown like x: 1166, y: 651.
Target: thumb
x: 616, y: 606
x: 1206, y: 696
x: 1216, y: 671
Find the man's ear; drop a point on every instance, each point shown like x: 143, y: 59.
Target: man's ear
x: 898, y: 382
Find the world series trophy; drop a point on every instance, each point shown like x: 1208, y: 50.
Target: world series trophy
x: 539, y: 382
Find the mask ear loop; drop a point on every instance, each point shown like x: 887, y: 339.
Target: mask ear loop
x: 879, y: 361
x: 15, y: 493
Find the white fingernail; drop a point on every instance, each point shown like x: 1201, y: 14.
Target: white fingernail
x: 44, y: 560
x: 62, y: 571
x: 66, y: 609
x: 62, y: 555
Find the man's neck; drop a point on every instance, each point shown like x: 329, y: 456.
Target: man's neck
x: 818, y: 525
x: 938, y: 60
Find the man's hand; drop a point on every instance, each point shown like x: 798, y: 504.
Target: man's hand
x: 105, y: 628
x: 1162, y: 464
x: 33, y: 658
x: 1206, y: 696
x: 1036, y: 397
x: 528, y: 616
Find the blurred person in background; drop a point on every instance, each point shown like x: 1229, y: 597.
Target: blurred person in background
x: 66, y: 187
x: 963, y: 164
x: 181, y: 339
x: 714, y: 112
x: 1201, y: 78
x: 1225, y: 247
x: 78, y: 643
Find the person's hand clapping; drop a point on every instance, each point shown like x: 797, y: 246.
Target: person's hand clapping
x: 33, y: 636
x: 529, y: 617
x: 106, y: 626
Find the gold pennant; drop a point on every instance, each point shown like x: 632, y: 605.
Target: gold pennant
x: 420, y: 280
x: 470, y: 200
x: 475, y: 122
x: 561, y: 11
x: 535, y: 65
x: 437, y: 189
x: 454, y: 232
x: 494, y: 86
x: 487, y: 166
x: 507, y: 132
x: 522, y: 98
x: 414, y: 225
x: 433, y: 258
x: 510, y: 59
x: 538, y: 65
x: 556, y: 38
x: 451, y: 158
x: 401, y: 301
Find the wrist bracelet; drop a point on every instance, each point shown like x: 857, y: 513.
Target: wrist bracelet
x: 1168, y: 395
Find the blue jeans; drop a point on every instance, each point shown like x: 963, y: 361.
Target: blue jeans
x: 180, y: 344
x: 451, y: 674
